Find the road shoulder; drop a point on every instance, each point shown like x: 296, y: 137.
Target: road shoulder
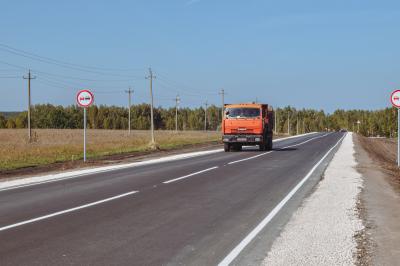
x: 379, y: 208
x: 322, y: 231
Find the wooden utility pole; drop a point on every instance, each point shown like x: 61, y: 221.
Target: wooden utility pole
x: 29, y: 78
x: 205, y: 116
x: 222, y: 93
x: 151, y: 77
x: 130, y: 92
x: 288, y: 125
x: 177, y: 101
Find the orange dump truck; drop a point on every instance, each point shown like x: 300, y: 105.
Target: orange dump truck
x: 247, y: 124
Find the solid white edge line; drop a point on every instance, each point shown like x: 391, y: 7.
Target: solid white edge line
x: 239, y: 248
x: 80, y: 173
x: 189, y: 175
x: 31, y: 181
x: 66, y: 211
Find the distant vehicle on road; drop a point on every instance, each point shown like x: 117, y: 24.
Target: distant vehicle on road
x: 247, y: 124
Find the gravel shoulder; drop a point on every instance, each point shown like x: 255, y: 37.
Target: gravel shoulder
x: 322, y: 231
x: 379, y: 202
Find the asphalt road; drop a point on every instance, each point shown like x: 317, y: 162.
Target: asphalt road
x: 192, y: 211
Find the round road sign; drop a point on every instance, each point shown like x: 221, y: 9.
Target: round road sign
x: 84, y: 98
x: 395, y: 98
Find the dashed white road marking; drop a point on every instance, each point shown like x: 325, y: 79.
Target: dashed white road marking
x: 304, y: 142
x: 66, y: 211
x: 241, y: 246
x: 249, y: 158
x: 38, y: 180
x: 189, y: 175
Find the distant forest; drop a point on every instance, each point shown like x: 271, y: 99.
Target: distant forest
x: 372, y: 123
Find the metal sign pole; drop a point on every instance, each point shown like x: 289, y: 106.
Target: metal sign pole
x: 84, y: 134
x: 84, y: 98
x: 398, y: 137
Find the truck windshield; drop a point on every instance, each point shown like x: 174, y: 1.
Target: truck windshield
x: 242, y: 112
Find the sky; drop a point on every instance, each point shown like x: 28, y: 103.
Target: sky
x: 307, y: 54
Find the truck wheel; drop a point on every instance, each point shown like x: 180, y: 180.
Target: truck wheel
x: 269, y: 145
x: 227, y: 147
x: 262, y: 146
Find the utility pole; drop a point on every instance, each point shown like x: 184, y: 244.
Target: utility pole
x: 130, y: 92
x: 297, y: 125
x: 288, y: 125
x: 276, y: 121
x: 222, y: 93
x: 151, y: 77
x: 205, y: 116
x: 304, y: 127
x: 177, y: 101
x: 29, y: 78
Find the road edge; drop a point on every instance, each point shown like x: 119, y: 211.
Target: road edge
x: 15, y: 183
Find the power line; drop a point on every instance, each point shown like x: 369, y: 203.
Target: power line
x: 9, y: 77
x: 49, y: 60
x: 168, y: 87
x: 70, y: 86
x: 182, y: 85
x: 86, y: 79
x: 13, y: 65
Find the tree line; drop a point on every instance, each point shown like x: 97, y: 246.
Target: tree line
x: 114, y: 117
x: 371, y: 123
x: 368, y: 123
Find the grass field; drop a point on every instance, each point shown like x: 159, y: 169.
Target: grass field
x: 59, y: 145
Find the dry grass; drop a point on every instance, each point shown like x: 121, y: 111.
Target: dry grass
x: 60, y: 145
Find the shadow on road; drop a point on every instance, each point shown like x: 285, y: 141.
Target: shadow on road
x: 286, y: 149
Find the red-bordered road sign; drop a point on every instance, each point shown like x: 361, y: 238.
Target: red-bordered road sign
x: 84, y: 98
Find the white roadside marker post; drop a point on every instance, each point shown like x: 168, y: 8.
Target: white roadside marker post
x: 395, y: 99
x: 84, y: 98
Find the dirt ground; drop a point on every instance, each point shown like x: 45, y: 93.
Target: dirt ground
x: 379, y: 202
x: 384, y: 152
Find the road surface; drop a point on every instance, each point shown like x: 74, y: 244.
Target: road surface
x: 193, y: 211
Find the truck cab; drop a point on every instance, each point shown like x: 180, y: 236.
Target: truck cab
x: 247, y: 124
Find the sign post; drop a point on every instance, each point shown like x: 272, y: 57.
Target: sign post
x: 84, y: 98
x: 395, y: 99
